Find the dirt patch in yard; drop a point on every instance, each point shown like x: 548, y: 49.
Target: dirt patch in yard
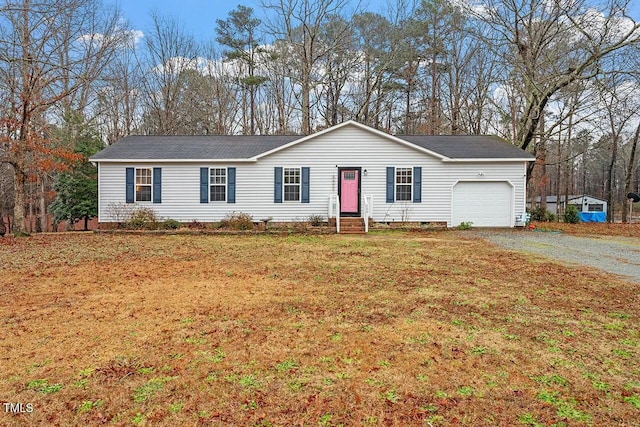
x: 383, y: 329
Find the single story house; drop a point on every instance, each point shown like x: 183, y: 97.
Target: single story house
x: 348, y: 170
x: 591, y: 209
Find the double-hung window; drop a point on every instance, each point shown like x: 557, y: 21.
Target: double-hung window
x: 404, y: 181
x: 218, y: 184
x: 291, y: 184
x: 143, y: 184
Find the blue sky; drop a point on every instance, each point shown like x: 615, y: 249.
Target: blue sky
x: 197, y: 16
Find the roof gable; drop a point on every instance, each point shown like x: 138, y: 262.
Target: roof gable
x: 360, y: 126
x: 243, y: 148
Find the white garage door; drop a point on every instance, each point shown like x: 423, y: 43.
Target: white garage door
x: 485, y: 204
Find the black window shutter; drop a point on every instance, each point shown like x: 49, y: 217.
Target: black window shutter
x: 277, y: 185
x: 305, y: 185
x: 204, y: 185
x: 130, y: 187
x: 157, y: 185
x: 231, y: 185
x: 417, y: 184
x: 391, y: 176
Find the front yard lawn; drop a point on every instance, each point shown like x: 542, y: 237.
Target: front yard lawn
x: 392, y: 328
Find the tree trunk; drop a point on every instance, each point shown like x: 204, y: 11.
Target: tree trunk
x: 557, y: 190
x: 19, y: 223
x: 611, y: 172
x: 542, y: 173
x: 628, y: 181
x: 568, y: 175
x: 306, y: 106
x: 307, y: 46
x: 541, y: 155
x: 43, y: 207
x: 31, y: 215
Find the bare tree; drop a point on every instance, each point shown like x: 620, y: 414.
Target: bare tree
x: 549, y: 45
x: 632, y: 166
x: 630, y: 180
x: 279, y: 87
x: 300, y: 24
x: 119, y: 101
x: 337, y: 66
x: 617, y: 100
x: 50, y: 51
x: 170, y: 51
x: 373, y: 37
x: 438, y: 28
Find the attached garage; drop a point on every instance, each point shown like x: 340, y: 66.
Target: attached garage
x: 484, y: 204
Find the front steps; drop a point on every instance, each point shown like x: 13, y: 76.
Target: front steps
x: 350, y: 225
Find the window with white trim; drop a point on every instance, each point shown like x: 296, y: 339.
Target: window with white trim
x: 144, y: 182
x: 218, y: 184
x: 291, y: 184
x: 404, y: 183
x: 595, y: 207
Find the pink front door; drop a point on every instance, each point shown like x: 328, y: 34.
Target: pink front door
x: 349, y: 185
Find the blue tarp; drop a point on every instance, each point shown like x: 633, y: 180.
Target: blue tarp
x: 593, y: 216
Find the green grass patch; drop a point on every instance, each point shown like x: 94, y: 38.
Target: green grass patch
x: 43, y: 386
x: 88, y: 405
x: 634, y: 400
x: 149, y: 389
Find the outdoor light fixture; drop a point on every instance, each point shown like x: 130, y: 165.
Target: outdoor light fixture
x: 366, y: 173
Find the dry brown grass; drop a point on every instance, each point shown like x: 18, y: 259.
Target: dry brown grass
x: 590, y: 228
x: 383, y: 329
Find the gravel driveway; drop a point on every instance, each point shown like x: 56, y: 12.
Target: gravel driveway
x: 618, y: 255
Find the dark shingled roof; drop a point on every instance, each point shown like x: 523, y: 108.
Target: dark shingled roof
x: 468, y: 146
x: 210, y: 147
x: 221, y: 147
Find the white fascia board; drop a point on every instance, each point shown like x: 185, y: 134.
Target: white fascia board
x: 251, y: 160
x: 360, y: 126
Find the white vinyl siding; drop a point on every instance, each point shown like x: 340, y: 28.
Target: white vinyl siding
x: 348, y: 146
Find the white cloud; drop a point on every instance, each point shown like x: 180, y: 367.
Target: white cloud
x: 136, y: 36
x: 205, y: 66
x: 475, y: 8
x: 127, y: 38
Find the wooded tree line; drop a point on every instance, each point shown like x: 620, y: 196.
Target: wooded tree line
x: 557, y: 78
